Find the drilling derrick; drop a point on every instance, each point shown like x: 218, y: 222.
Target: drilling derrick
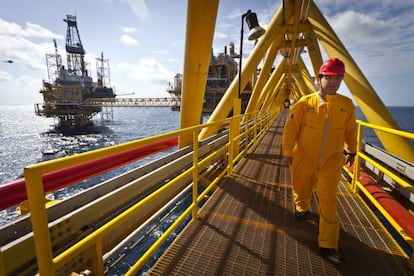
x: 74, y: 48
x: 70, y: 95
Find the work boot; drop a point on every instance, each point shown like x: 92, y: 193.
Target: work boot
x: 332, y: 255
x: 301, y: 215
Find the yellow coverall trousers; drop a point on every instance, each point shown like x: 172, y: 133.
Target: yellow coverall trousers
x: 325, y: 181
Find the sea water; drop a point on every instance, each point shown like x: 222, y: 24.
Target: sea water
x: 26, y: 139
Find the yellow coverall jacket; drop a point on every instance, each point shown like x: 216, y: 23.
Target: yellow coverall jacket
x: 315, y: 135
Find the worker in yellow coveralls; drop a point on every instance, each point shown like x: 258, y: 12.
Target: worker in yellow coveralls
x: 320, y: 128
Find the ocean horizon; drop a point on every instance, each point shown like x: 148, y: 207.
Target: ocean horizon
x: 24, y: 136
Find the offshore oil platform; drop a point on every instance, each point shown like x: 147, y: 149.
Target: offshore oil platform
x: 70, y: 93
x: 222, y: 180
x: 222, y: 70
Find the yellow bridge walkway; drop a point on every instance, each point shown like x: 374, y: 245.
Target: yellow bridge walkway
x: 248, y: 228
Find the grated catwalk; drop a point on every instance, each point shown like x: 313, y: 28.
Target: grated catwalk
x: 248, y: 228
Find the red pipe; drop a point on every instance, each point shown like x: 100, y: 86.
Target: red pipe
x: 14, y: 192
x: 399, y: 213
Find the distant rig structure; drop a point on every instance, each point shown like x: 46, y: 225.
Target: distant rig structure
x: 70, y: 94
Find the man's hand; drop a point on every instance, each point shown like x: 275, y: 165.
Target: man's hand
x: 286, y: 161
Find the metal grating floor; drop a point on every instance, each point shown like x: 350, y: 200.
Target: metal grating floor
x: 247, y: 228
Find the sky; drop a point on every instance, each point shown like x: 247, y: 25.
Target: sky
x: 144, y: 41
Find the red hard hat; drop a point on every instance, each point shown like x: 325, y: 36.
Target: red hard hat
x: 332, y: 67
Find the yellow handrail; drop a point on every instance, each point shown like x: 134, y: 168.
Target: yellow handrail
x: 356, y: 185
x: 48, y: 264
x: 140, y: 262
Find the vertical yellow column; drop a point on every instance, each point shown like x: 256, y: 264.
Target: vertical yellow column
x: 201, y: 20
x: 41, y: 235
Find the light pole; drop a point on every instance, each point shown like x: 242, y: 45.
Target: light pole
x: 255, y: 32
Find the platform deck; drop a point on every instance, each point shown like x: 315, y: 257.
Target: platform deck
x: 247, y: 227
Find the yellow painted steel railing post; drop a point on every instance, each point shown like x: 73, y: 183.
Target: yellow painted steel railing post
x: 357, y: 161
x: 255, y: 127
x: 235, y: 125
x: 36, y: 197
x: 246, y: 132
x: 2, y: 268
x: 195, y: 174
x: 233, y: 133
x: 230, y: 149
x: 98, y: 264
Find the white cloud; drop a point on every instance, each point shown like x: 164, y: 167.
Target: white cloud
x: 146, y: 69
x: 220, y: 35
x: 361, y: 28
x: 383, y: 44
x: 4, y: 76
x: 128, y: 40
x: 174, y: 60
x: 235, y: 13
x: 146, y: 77
x: 128, y: 29
x: 20, y: 45
x: 38, y: 31
x: 162, y: 52
x: 140, y: 10
x: 24, y: 52
x: 31, y: 30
